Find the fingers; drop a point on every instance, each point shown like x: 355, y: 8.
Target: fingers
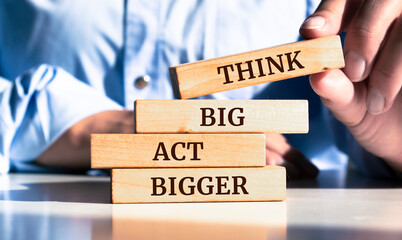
x: 365, y: 35
x: 330, y: 18
x: 385, y: 79
x: 276, y: 142
x: 276, y: 159
x: 345, y: 99
x: 297, y: 166
x: 383, y: 86
x: 279, y: 152
x: 307, y: 169
x: 367, y: 22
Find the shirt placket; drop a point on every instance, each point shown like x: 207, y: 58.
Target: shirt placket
x: 141, y: 32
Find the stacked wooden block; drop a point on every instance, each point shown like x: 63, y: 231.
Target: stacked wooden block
x: 198, y: 150
x: 211, y: 150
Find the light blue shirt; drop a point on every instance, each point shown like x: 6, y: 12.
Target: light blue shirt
x: 62, y: 61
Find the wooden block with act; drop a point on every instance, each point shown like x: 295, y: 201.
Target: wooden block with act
x: 261, y: 66
x: 198, y: 184
x: 177, y: 150
x: 221, y: 116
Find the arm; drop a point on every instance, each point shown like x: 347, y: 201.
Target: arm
x: 39, y: 107
x: 72, y: 149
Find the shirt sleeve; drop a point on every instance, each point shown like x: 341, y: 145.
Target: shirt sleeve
x: 37, y: 107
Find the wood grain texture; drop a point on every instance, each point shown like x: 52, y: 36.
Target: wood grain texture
x: 177, y: 150
x: 177, y: 116
x: 222, y: 74
x: 198, y: 184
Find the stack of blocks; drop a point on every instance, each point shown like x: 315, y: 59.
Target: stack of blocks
x: 212, y: 150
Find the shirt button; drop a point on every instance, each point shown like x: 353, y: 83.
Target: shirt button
x: 142, y: 82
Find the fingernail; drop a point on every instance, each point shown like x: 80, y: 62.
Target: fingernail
x: 315, y: 22
x: 354, y: 66
x: 375, y: 101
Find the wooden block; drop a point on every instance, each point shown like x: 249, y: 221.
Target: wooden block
x: 256, y: 67
x: 177, y: 150
x: 198, y: 184
x: 220, y: 116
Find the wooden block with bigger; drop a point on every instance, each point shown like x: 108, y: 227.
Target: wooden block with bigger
x: 261, y: 66
x: 220, y: 116
x: 198, y: 184
x: 177, y: 150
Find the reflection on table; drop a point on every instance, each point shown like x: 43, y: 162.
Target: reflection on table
x: 336, y: 205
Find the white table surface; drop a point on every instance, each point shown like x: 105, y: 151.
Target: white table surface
x: 335, y: 206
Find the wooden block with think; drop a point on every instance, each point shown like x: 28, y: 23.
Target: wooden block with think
x: 256, y: 67
x: 177, y: 150
x: 198, y: 184
x: 220, y: 116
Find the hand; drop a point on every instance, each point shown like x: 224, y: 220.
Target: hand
x: 279, y: 152
x: 366, y: 95
x: 72, y: 149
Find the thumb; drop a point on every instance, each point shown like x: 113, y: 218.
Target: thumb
x: 330, y: 18
x: 345, y: 99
